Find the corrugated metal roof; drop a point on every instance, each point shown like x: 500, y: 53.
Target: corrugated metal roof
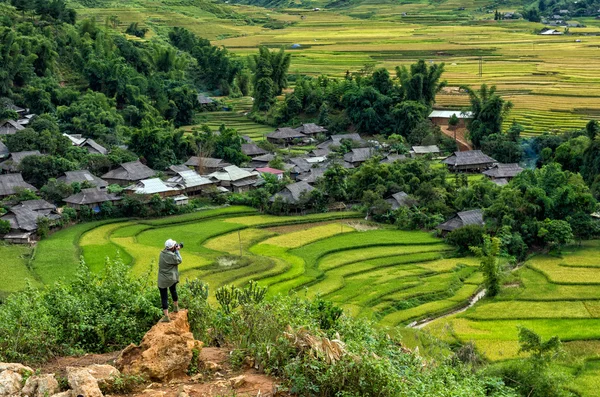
x: 446, y: 114
x: 191, y: 178
x: 151, y: 186
x: 426, y: 149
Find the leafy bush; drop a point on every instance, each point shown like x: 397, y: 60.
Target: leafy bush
x: 465, y: 237
x: 95, y: 313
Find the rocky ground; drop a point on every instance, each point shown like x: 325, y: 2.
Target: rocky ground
x: 162, y: 360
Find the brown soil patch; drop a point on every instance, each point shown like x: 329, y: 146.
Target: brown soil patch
x: 58, y: 365
x: 461, y: 138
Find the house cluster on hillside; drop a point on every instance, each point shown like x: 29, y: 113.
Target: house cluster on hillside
x: 201, y: 176
x: 10, y: 127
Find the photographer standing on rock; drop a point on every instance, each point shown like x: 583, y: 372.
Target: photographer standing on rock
x: 168, y: 276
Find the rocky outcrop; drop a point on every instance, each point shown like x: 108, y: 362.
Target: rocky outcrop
x: 82, y: 382
x: 40, y: 386
x: 164, y: 353
x: 104, y: 374
x: 10, y: 383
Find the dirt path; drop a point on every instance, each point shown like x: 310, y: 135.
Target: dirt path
x: 461, y: 139
x: 474, y: 299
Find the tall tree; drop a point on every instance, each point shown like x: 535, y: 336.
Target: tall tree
x: 421, y: 83
x: 489, y: 111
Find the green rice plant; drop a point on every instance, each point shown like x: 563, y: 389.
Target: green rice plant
x: 200, y: 215
x: 513, y: 310
x: 303, y: 237
x: 129, y: 231
x: 272, y: 220
x: 556, y: 272
x: 230, y: 242
x: 342, y: 258
x: 14, y: 268
x: 58, y: 255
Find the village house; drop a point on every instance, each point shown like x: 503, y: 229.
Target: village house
x: 235, y: 179
x: 464, y: 218
x: 312, y: 176
x: 92, y: 197
x: 430, y: 150
x: 272, y: 171
x: 206, y: 165
x: 320, y: 152
x: 150, y: 187
x: 253, y: 150
x: 294, y: 193
x: 94, y: 147
x: 469, y: 161
x: 11, y: 164
x: 358, y: 156
x: 336, y: 140
x: 311, y: 129
x: 83, y: 176
x: 11, y: 184
x: 502, y: 173
x: 128, y: 173
x: 23, y: 219
x: 4, y: 152
x: 442, y: 117
x: 191, y: 183
x: 400, y: 199
x: 10, y: 127
x: 393, y: 157
x: 298, y: 166
x: 285, y: 135
x: 261, y: 161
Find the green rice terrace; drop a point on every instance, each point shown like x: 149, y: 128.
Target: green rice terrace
x: 396, y: 278
x: 392, y: 276
x: 553, y: 81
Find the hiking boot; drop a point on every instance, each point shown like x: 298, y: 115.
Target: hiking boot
x: 176, y: 309
x: 165, y: 319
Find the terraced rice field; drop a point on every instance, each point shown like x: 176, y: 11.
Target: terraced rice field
x: 553, y: 81
x: 392, y: 276
x: 554, y: 296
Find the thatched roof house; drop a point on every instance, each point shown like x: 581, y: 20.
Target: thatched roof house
x: 470, y: 161
x: 11, y: 183
x: 206, y: 165
x: 82, y: 176
x: 392, y: 157
x: 10, y: 127
x: 127, y: 173
x: 91, y: 197
x: 337, y: 139
x: 311, y: 129
x: 292, y: 194
x: 253, y: 150
x: 284, y: 135
x: 400, y: 199
x: 4, y: 152
x: 503, y: 171
x: 358, y: 156
x: 464, y: 218
x: 14, y: 160
x: 94, y: 147
x: 23, y: 219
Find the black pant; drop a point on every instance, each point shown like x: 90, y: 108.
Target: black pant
x: 164, y: 295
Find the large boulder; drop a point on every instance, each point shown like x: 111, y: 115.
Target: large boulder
x: 103, y: 373
x: 82, y: 382
x: 10, y: 383
x: 164, y: 353
x: 40, y: 386
x: 16, y: 367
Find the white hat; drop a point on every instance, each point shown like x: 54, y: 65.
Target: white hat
x: 170, y: 244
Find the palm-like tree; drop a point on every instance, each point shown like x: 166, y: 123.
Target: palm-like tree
x: 489, y: 111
